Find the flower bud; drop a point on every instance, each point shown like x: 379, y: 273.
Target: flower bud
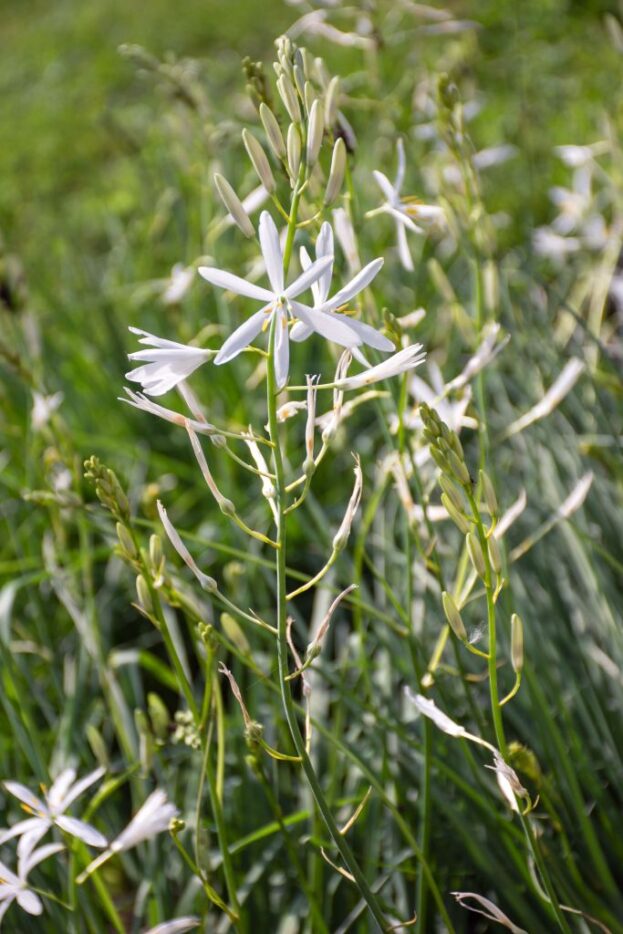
x: 475, y: 554
x: 489, y: 494
x: 156, y: 558
x: 336, y: 174
x: 315, y: 129
x: 159, y: 717
x: 459, y: 469
x: 125, y: 540
x: 227, y: 507
x: 273, y: 131
x: 309, y: 96
x: 233, y: 205
x: 294, y: 150
x: 516, y: 643
x: 142, y: 592
x: 299, y: 79
x: 453, y: 616
x: 330, y: 104
x: 290, y: 100
x: 321, y: 72
x: 457, y: 517
x: 452, y: 492
x: 259, y: 160
x: 495, y: 556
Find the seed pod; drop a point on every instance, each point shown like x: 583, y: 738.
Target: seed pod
x: 494, y: 554
x: 453, y: 616
x: 330, y: 104
x: 489, y: 494
x: 336, y: 174
x: 290, y: 100
x: 233, y: 205
x: 259, y: 160
x: 516, y: 643
x: 315, y: 129
x: 457, y: 517
x: 294, y: 150
x: 273, y: 131
x: 452, y: 492
x: 475, y: 554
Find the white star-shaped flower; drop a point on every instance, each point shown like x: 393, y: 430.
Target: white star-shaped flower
x: 403, y: 210
x: 166, y: 365
x: 15, y: 887
x: 323, y: 310
x: 51, y: 810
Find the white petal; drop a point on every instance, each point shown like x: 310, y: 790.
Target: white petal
x: 29, y: 840
x: 83, y: 831
x: 386, y: 186
x: 370, y: 336
x: 331, y: 326
x: 356, y: 285
x: 165, y: 372
x: 227, y: 280
x: 300, y: 332
x: 175, y: 927
x: 400, y: 174
x: 26, y: 796
x: 37, y: 856
x: 282, y: 351
x: 305, y: 259
x: 29, y: 902
x: 151, y: 340
x: 309, y: 276
x: 60, y: 786
x: 241, y: 337
x: 9, y: 879
x: 81, y: 786
x: 324, y: 247
x: 271, y: 251
x: 402, y: 219
x: 22, y: 827
x: 403, y: 248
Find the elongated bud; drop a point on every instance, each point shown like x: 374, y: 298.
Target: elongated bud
x: 330, y: 104
x: 495, y: 556
x: 233, y: 205
x: 125, y: 540
x: 159, y: 717
x: 309, y: 96
x: 321, y: 72
x: 299, y: 79
x: 489, y: 494
x: 273, y: 131
x: 294, y: 150
x: 459, y: 469
x: 142, y: 592
x: 259, y: 160
x: 227, y: 507
x: 156, y: 558
x: 475, y: 554
x: 336, y: 175
x: 288, y: 95
x: 310, y: 424
x: 516, y: 643
x: 146, y: 741
x: 452, y: 492
x: 315, y: 129
x: 453, y: 616
x: 457, y: 517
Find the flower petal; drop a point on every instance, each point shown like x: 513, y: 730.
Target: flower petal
x: 23, y: 827
x: 300, y: 332
x: 26, y: 796
x: 37, y: 856
x: 403, y: 220
x: 370, y: 336
x: 81, y: 830
x: 400, y: 173
x: 282, y: 351
x: 81, y: 786
x: 60, y: 786
x: 29, y: 840
x: 386, y: 186
x: 329, y: 325
x: 271, y: 251
x: 29, y: 902
x: 241, y: 337
x: 403, y: 248
x: 227, y: 280
x: 356, y: 285
x: 324, y: 247
x: 308, y: 277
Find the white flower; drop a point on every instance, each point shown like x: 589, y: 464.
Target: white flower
x: 406, y: 359
x: 575, y: 156
x: 280, y: 302
x: 51, y: 811
x: 167, y: 365
x: 324, y: 317
x: 178, y: 284
x: 175, y: 927
x: 151, y: 819
x: 403, y: 210
x: 550, y: 244
x: 43, y: 408
x: 15, y: 887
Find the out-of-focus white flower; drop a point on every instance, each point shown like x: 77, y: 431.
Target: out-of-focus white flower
x: 51, y: 810
x: 323, y: 310
x: 488, y: 349
x: 482, y: 160
x: 43, y: 407
x: 552, y: 245
x: 178, y: 284
x: 406, y: 359
x: 152, y: 818
x: 175, y: 927
x: 575, y: 156
x: 15, y: 887
x: 166, y: 365
x: 404, y: 210
x: 563, y: 384
x: 435, y: 394
x: 315, y: 23
x: 428, y: 708
x: 346, y: 237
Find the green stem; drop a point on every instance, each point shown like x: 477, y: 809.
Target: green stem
x: 282, y: 646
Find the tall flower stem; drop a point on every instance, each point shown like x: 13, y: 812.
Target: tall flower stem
x: 282, y: 654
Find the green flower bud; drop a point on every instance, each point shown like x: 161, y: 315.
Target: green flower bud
x: 475, y: 554
x: 233, y: 204
x: 457, y: 517
x: 294, y: 150
x: 452, y: 492
x: 273, y: 131
x: 259, y: 160
x: 142, y: 592
x: 516, y: 643
x: 495, y: 556
x: 125, y: 540
x: 315, y: 130
x: 453, y: 616
x: 330, y: 104
x: 336, y: 174
x: 489, y: 493
x: 289, y: 97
